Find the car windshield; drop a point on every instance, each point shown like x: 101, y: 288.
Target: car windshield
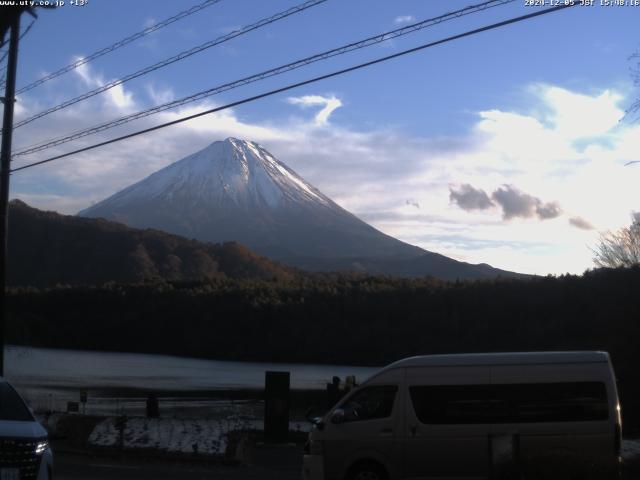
x: 11, y: 405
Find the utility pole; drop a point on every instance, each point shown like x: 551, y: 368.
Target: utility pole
x: 5, y: 166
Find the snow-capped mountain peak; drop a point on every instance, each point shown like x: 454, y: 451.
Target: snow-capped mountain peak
x: 229, y: 171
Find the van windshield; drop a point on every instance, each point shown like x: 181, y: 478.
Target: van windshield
x: 370, y: 403
x: 11, y: 405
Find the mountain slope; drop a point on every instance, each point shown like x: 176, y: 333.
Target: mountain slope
x: 234, y: 190
x: 237, y: 191
x: 428, y: 263
x: 46, y: 248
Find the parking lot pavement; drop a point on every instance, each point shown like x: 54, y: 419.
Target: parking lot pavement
x: 264, y: 462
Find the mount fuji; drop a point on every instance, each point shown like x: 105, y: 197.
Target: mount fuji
x: 235, y: 190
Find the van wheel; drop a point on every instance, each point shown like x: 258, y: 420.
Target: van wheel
x: 367, y: 471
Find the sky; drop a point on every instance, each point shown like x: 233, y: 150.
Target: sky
x: 508, y: 147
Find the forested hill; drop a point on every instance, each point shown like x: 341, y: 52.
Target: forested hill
x: 46, y: 248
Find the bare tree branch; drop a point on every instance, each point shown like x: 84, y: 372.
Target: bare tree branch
x: 634, y: 109
x: 621, y: 248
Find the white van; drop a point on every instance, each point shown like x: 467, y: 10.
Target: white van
x: 490, y: 415
x: 24, y: 447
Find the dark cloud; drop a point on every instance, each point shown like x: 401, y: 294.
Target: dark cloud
x: 515, y: 203
x: 469, y: 198
x: 580, y: 223
x: 548, y: 210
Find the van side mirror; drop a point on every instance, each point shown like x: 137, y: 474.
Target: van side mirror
x: 337, y: 416
x: 316, y: 421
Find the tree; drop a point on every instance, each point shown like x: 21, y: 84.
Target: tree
x: 620, y: 248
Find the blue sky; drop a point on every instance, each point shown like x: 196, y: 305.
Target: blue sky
x: 506, y: 147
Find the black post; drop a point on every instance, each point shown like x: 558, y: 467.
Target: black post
x: 276, y: 407
x: 5, y: 167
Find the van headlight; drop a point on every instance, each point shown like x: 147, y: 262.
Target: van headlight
x: 41, y: 446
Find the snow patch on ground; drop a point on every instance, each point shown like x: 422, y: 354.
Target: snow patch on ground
x: 203, y: 436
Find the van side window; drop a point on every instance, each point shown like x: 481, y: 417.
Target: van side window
x: 557, y: 402
x: 455, y: 404
x: 370, y: 403
x: 510, y: 403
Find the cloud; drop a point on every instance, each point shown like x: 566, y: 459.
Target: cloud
x: 404, y: 19
x: 572, y: 114
x: 469, y: 198
x: 85, y: 74
x: 160, y: 95
x: 580, y: 223
x: 117, y: 95
x: 322, y: 117
x: 516, y: 203
x: 548, y: 210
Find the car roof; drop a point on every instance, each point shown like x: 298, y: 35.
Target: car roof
x: 504, y: 358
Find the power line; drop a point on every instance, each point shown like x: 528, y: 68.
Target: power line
x: 119, y: 44
x: 305, y: 82
x: 26, y: 30
x: 181, y: 56
x: 22, y: 35
x: 260, y: 76
x: 40, y: 146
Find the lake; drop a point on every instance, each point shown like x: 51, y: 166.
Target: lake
x: 49, y: 378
